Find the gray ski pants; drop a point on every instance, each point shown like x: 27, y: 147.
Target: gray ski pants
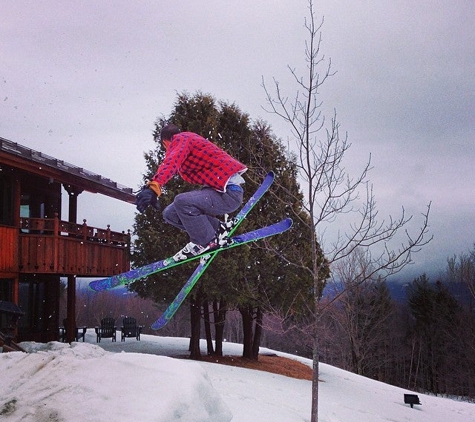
x: 196, y: 211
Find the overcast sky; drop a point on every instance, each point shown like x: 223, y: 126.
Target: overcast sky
x: 84, y: 81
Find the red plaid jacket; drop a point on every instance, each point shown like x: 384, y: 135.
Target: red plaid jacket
x: 197, y: 161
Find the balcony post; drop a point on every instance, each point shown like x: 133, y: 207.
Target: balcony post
x: 56, y: 242
x: 84, y: 229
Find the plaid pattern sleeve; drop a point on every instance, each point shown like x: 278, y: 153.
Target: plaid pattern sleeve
x: 197, y: 161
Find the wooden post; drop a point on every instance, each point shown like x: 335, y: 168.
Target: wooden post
x: 16, y: 223
x: 84, y: 229
x: 56, y: 242
x: 71, y: 300
x: 71, y: 310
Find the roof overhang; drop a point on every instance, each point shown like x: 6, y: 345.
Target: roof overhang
x: 35, y: 162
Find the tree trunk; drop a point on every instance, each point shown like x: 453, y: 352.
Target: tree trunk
x: 246, y: 313
x: 316, y: 361
x: 207, y: 321
x: 219, y: 308
x: 257, y: 334
x: 195, y: 313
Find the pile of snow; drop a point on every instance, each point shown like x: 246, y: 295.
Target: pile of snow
x: 82, y: 382
x: 139, y: 381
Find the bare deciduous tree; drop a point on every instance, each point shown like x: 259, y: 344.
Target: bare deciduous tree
x: 364, y: 310
x: 330, y: 192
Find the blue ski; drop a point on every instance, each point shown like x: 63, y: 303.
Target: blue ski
x: 253, y: 236
x: 155, y: 267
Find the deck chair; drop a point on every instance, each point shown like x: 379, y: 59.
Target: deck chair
x: 107, y: 329
x: 130, y: 328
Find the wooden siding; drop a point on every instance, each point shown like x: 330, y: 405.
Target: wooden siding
x: 8, y: 250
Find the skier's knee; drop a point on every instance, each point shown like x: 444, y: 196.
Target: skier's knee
x: 169, y: 214
x: 190, y: 204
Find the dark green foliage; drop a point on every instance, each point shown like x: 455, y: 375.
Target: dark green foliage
x: 436, y: 316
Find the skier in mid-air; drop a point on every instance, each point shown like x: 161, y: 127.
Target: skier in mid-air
x: 200, y: 162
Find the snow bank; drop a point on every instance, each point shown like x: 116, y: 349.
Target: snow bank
x: 59, y: 382
x: 129, y: 382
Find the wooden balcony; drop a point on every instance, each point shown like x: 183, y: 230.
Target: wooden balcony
x: 52, y: 246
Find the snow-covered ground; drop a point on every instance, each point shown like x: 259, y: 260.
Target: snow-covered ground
x: 139, y: 381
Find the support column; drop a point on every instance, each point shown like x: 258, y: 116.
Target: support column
x: 73, y: 193
x: 71, y: 310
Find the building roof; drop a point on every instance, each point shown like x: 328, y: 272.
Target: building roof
x: 19, y: 156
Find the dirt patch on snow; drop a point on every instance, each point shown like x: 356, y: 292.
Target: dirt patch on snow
x: 274, y: 364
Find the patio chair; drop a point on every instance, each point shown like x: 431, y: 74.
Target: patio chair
x: 130, y: 328
x: 107, y: 329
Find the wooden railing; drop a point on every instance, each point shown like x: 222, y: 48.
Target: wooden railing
x: 59, y: 247
x: 55, y: 226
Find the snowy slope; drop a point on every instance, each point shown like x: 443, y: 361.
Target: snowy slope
x: 138, y: 381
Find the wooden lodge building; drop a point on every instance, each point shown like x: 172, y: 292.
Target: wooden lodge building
x: 37, y: 247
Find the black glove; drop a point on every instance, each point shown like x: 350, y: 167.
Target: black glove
x: 145, y: 198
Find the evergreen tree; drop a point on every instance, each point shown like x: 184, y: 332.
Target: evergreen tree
x: 435, y: 312
x: 250, y: 277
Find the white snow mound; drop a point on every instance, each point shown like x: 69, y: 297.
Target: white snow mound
x: 62, y: 382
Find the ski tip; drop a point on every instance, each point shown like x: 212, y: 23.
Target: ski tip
x: 99, y: 285
x: 157, y: 325
x: 286, y: 224
x: 94, y: 286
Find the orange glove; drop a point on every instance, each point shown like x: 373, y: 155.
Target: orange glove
x: 155, y: 187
